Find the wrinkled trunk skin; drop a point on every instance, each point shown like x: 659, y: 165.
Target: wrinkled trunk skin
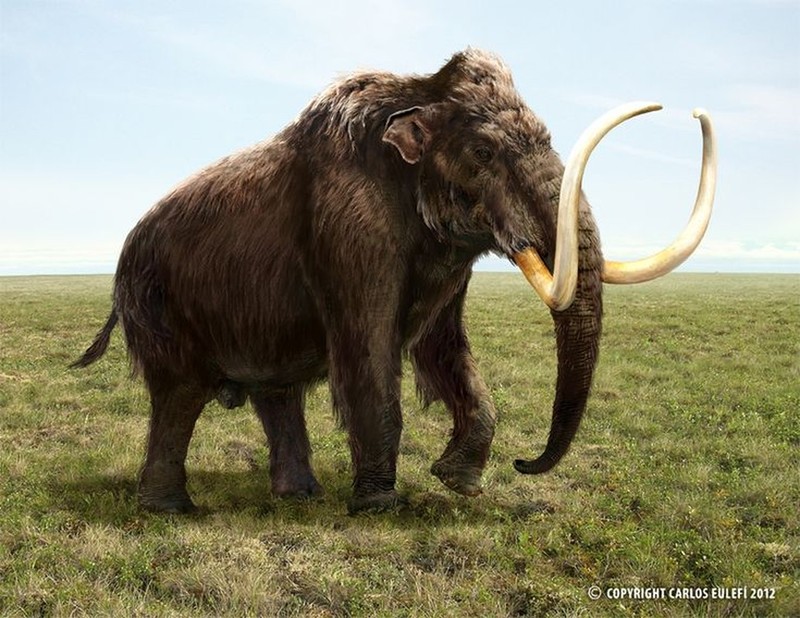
x: 577, y: 338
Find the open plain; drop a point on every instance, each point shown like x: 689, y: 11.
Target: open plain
x: 683, y: 476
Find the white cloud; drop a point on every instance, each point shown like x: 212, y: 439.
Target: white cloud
x: 644, y: 153
x: 758, y: 111
x: 710, y: 256
x: 734, y: 249
x: 750, y: 111
x: 303, y: 44
x: 724, y: 255
x: 728, y: 250
x: 38, y: 257
x: 593, y: 100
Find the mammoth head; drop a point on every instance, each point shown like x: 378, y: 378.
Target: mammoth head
x: 488, y: 165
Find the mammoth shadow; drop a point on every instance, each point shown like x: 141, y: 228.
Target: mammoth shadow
x: 110, y: 500
x: 345, y: 242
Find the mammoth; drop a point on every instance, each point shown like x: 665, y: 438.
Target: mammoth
x: 346, y: 242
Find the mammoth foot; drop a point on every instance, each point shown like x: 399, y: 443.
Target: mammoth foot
x: 376, y: 503
x: 462, y: 463
x: 177, y: 504
x: 291, y: 476
x: 298, y: 488
x: 162, y: 489
x: 456, y: 475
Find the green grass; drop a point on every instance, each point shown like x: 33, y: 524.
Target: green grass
x: 684, y: 473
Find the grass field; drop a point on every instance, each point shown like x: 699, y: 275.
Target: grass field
x: 685, y: 474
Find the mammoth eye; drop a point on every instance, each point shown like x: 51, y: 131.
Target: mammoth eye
x: 482, y: 154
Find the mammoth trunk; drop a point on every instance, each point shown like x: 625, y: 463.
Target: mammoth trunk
x: 577, y: 340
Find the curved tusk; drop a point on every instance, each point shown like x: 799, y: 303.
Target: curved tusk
x: 558, y: 290
x: 666, y: 260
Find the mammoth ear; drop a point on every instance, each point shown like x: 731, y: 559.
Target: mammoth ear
x: 409, y: 132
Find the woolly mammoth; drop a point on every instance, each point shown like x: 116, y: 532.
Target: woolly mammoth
x: 348, y: 239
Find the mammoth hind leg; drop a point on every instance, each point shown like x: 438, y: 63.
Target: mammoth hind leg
x: 281, y: 414
x: 175, y: 409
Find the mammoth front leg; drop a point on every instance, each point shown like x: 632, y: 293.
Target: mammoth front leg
x: 365, y: 383
x: 281, y: 414
x: 446, y: 371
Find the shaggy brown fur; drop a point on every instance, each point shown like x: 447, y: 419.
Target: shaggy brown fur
x: 331, y: 249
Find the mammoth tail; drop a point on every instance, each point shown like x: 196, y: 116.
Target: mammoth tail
x: 100, y: 343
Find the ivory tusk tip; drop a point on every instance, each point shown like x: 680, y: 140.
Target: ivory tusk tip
x: 699, y: 112
x: 650, y: 106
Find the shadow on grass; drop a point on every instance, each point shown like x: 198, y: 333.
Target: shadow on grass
x: 111, y: 500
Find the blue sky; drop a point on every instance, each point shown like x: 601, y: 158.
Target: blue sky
x: 104, y: 106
